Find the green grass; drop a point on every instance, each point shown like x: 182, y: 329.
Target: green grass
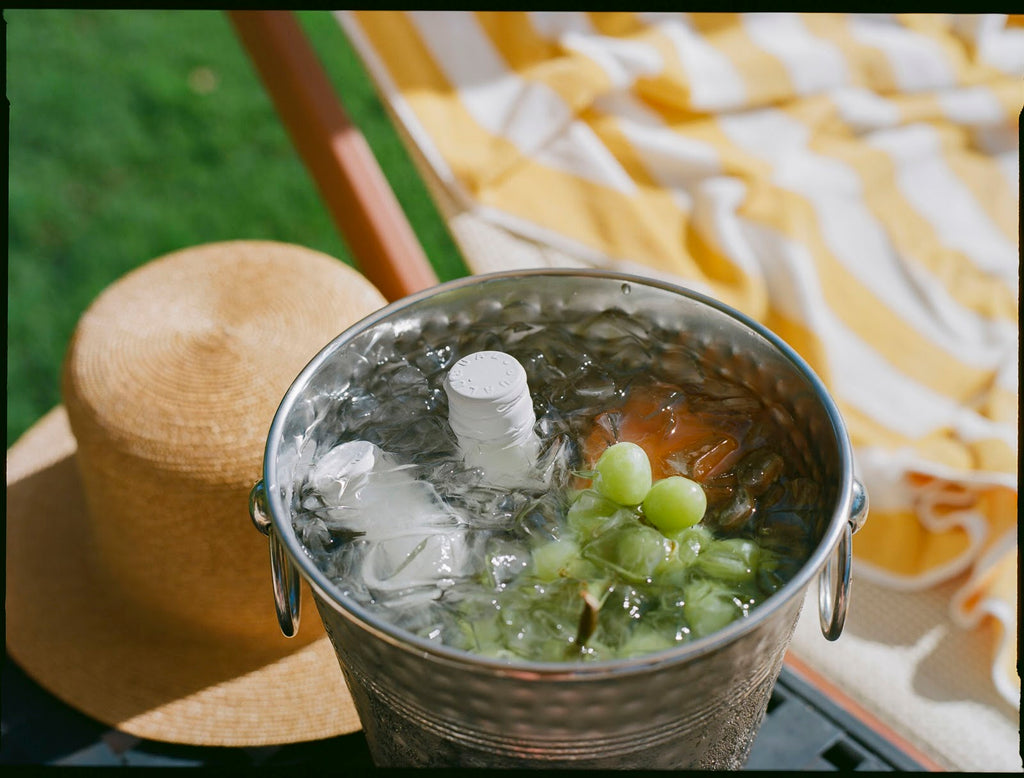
x: 135, y: 133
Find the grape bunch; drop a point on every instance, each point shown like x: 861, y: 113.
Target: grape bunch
x: 633, y: 570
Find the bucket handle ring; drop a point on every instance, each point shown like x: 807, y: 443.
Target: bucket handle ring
x: 287, y: 590
x: 833, y: 586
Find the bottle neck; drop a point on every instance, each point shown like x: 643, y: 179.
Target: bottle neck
x: 491, y: 413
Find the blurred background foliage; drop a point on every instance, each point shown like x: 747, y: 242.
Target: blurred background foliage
x: 134, y: 133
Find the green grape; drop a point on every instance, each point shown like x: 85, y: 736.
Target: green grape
x: 709, y: 606
x: 622, y: 608
x: 675, y: 503
x: 772, y: 571
x: 555, y: 559
x: 538, y: 621
x: 623, y: 473
x: 692, y: 541
x: 678, y: 568
x: 646, y: 640
x: 730, y: 560
x: 634, y: 551
x: 592, y: 513
x: 486, y: 636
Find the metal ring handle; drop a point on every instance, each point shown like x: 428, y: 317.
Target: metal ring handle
x: 258, y: 507
x: 832, y: 607
x: 834, y: 598
x: 287, y: 591
x: 858, y: 506
x: 286, y: 581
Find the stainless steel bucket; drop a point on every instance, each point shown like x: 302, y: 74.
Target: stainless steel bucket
x: 699, y: 705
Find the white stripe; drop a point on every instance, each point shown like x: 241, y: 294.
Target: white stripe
x: 716, y: 205
x: 863, y: 110
x: 860, y: 376
x: 713, y: 82
x: 858, y: 241
x: 992, y: 130
x: 382, y: 77
x: 889, y: 490
x: 529, y: 115
x: 677, y: 163
x: 576, y: 249
x: 996, y: 44
x: 936, y: 193
x: 916, y: 61
x: 812, y: 64
x: 674, y: 161
x: 976, y: 107
x: 622, y: 60
x: 972, y: 106
x: 1009, y: 166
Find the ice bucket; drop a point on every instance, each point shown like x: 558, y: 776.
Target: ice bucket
x: 698, y: 705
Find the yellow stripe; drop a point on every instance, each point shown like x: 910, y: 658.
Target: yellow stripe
x: 636, y: 228
x: 982, y: 179
x: 976, y: 171
x: 999, y: 404
x: 867, y: 66
x: 992, y: 455
x: 938, y: 30
x: 669, y: 89
x: 941, y: 447
x: 712, y: 266
x: 421, y: 82
x: 910, y: 233
x: 574, y: 77
x: 603, y: 219
x: 766, y: 78
x: 501, y: 177
x: 646, y: 228
x: 897, y: 542
x: 474, y: 156
x: 892, y: 338
x: 534, y: 58
x: 999, y: 505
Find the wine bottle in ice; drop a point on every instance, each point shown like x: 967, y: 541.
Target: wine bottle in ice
x: 491, y: 413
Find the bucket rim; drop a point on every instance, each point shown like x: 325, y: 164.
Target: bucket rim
x: 329, y: 593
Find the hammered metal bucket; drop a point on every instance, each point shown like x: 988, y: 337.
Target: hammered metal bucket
x: 698, y: 705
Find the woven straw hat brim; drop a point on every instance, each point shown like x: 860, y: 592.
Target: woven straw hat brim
x: 65, y: 629
x: 88, y: 627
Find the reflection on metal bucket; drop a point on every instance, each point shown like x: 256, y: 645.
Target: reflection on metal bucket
x: 698, y: 705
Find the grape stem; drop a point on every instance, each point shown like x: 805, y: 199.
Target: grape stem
x: 588, y: 617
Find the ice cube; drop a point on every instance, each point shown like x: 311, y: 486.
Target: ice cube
x: 410, y: 539
x: 427, y: 559
x: 338, y: 474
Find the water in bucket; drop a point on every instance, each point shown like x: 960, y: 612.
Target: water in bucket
x: 521, y: 526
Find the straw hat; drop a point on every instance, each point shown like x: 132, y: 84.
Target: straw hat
x: 138, y: 590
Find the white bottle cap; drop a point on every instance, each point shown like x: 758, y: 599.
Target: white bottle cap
x: 491, y: 413
x: 486, y: 377
x: 488, y: 397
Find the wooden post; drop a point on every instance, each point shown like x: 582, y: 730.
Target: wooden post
x: 336, y: 154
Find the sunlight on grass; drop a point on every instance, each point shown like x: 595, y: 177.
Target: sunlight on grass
x: 137, y: 133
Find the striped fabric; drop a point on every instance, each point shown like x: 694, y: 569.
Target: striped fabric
x: 851, y: 181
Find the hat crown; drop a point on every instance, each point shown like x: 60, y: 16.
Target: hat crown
x: 171, y: 382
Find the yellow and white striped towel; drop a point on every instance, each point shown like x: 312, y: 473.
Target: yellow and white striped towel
x: 851, y: 181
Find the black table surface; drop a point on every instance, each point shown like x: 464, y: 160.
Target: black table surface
x: 803, y: 730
